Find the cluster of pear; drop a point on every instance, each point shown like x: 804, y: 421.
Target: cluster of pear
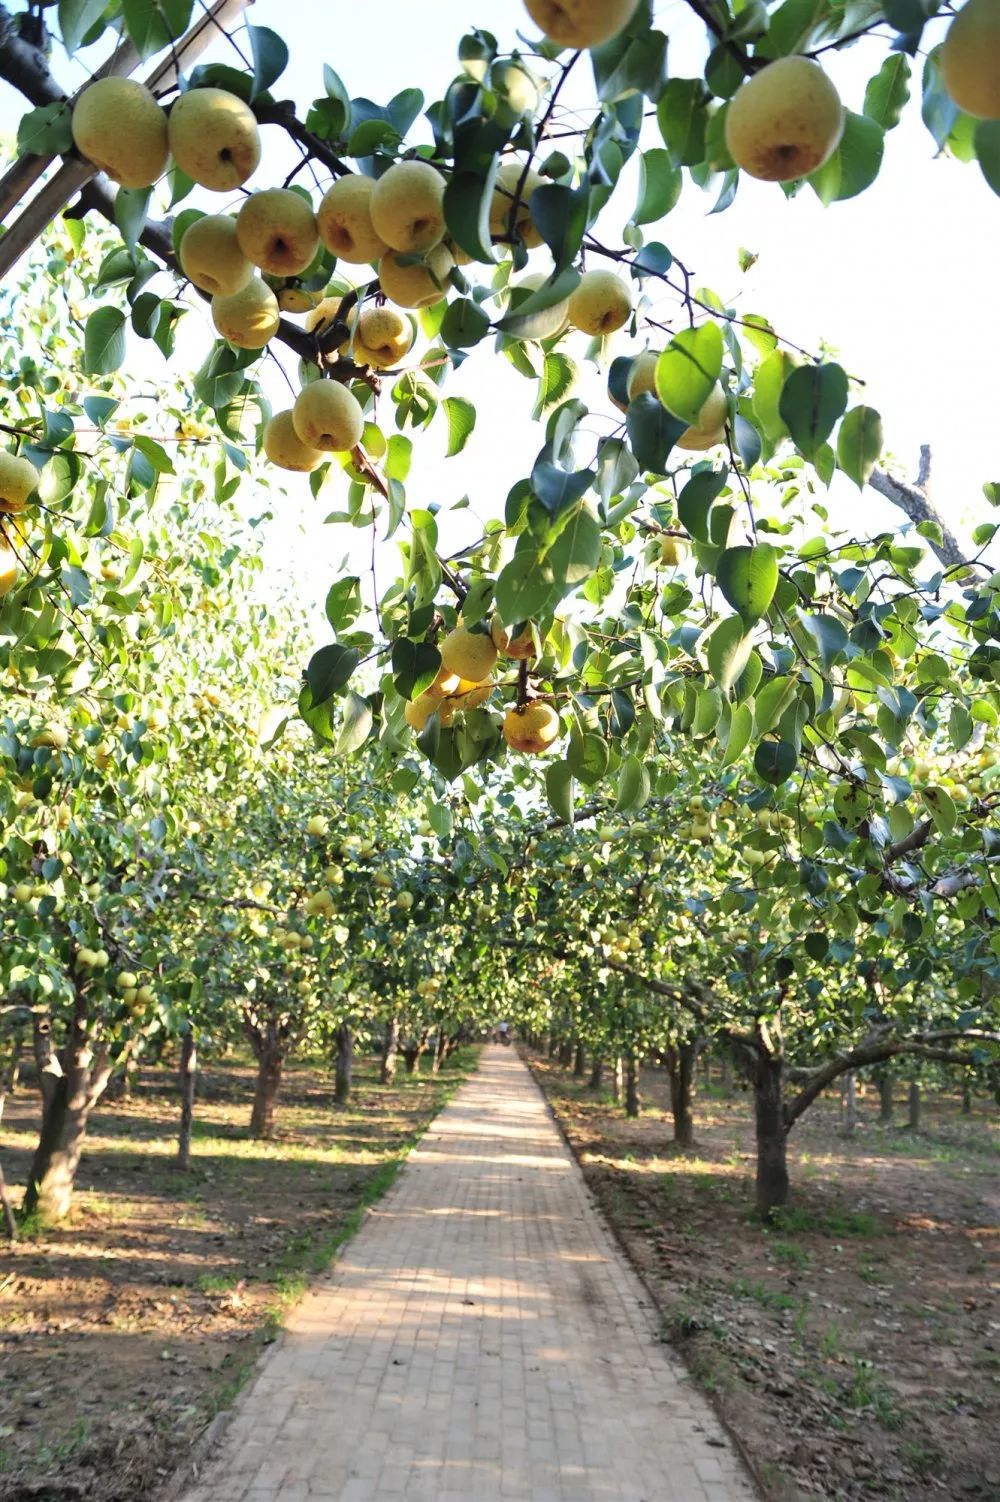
x: 465, y: 681
x: 706, y: 432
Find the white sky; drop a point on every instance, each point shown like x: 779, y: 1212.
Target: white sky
x: 901, y: 280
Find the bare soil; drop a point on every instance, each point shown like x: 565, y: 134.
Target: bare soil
x: 124, y: 1330
x: 853, y: 1349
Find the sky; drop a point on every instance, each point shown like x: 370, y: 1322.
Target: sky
x: 900, y: 281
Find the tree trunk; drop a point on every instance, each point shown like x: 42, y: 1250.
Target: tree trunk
x: 10, y: 1224
x: 71, y: 1084
x: 966, y: 1097
x: 885, y: 1086
x: 772, y: 1141
x: 440, y: 1051
x: 566, y: 1053
x: 914, y: 1103
x: 579, y: 1062
x: 617, y: 1079
x: 849, y: 1103
x: 597, y: 1074
x: 726, y: 1072
x: 412, y: 1052
x: 706, y: 1067
x: 188, y: 1072
x: 270, y: 1060
x: 12, y: 1071
x: 681, y: 1065
x: 633, y: 1100
x: 344, y: 1065
x: 553, y: 1048
x: 390, y: 1052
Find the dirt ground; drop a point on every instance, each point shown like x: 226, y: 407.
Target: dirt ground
x: 125, y: 1330
x: 854, y: 1349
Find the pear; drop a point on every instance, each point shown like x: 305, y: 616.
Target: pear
x: 9, y: 569
x: 382, y: 337
x: 214, y: 138
x: 581, y: 23
x: 118, y: 125
x: 505, y: 193
x: 600, y: 303
x: 470, y: 654
x: 516, y: 92
x: 297, y: 300
x: 710, y: 428
x: 642, y: 374
x: 345, y: 220
x: 532, y: 729
x: 517, y: 647
x: 276, y: 230
x: 785, y: 121
x: 673, y: 550
x: 210, y: 256
x: 407, y: 207
x: 416, y: 286
x: 970, y: 59
x: 328, y: 417
x: 248, y: 318
x: 285, y: 448
x: 18, y: 481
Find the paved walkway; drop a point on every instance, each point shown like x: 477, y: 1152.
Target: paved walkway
x: 480, y: 1339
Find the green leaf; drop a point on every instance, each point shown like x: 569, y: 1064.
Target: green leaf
x: 707, y: 710
x: 859, y: 444
x: 343, y: 603
x: 557, y: 380
x: 682, y: 116
x: 775, y: 761
x: 696, y: 499
x: 270, y: 57
x: 76, y: 17
x: 812, y: 399
x: 748, y: 577
x: 329, y: 670
x: 660, y: 185
x: 415, y: 665
x: 588, y: 758
x: 854, y: 165
x: 464, y: 324
x: 830, y: 637
x: 560, y: 790
x: 740, y: 731
x: 987, y: 141
x: 467, y: 200
x: 728, y: 652
x: 560, y: 216
x: 153, y: 27
x: 45, y: 131
x: 888, y: 91
x: 104, y: 341
x: 461, y: 415
x: 688, y: 369
x: 524, y: 587
x: 941, y: 808
x: 356, y: 725
x: 131, y: 205
x: 652, y: 432
x: 633, y: 784
x: 556, y: 290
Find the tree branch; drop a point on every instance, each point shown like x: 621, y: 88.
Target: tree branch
x: 916, y: 503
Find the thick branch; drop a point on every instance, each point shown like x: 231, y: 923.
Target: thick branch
x: 871, y: 1053
x: 916, y: 503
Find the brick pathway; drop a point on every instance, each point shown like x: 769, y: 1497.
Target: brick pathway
x: 480, y: 1339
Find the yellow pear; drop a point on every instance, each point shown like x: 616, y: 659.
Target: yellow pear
x: 519, y: 647
x: 416, y: 286
x: 210, y: 256
x: 516, y: 92
x: 345, y: 220
x: 285, y: 448
x: 547, y: 324
x: 471, y: 695
x: 710, y: 428
x: 470, y: 654
x: 502, y: 203
x: 407, y: 207
x: 532, y: 729
x: 382, y: 337
x: 673, y: 550
x: 580, y: 23
x: 118, y: 125
x: 247, y: 318
x: 9, y: 569
x: 328, y: 417
x: 970, y: 59
x: 18, y: 480
x: 276, y: 230
x: 416, y: 712
x: 785, y: 121
x: 297, y: 300
x: 214, y: 138
x: 600, y: 303
x: 642, y: 374
x: 444, y: 685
